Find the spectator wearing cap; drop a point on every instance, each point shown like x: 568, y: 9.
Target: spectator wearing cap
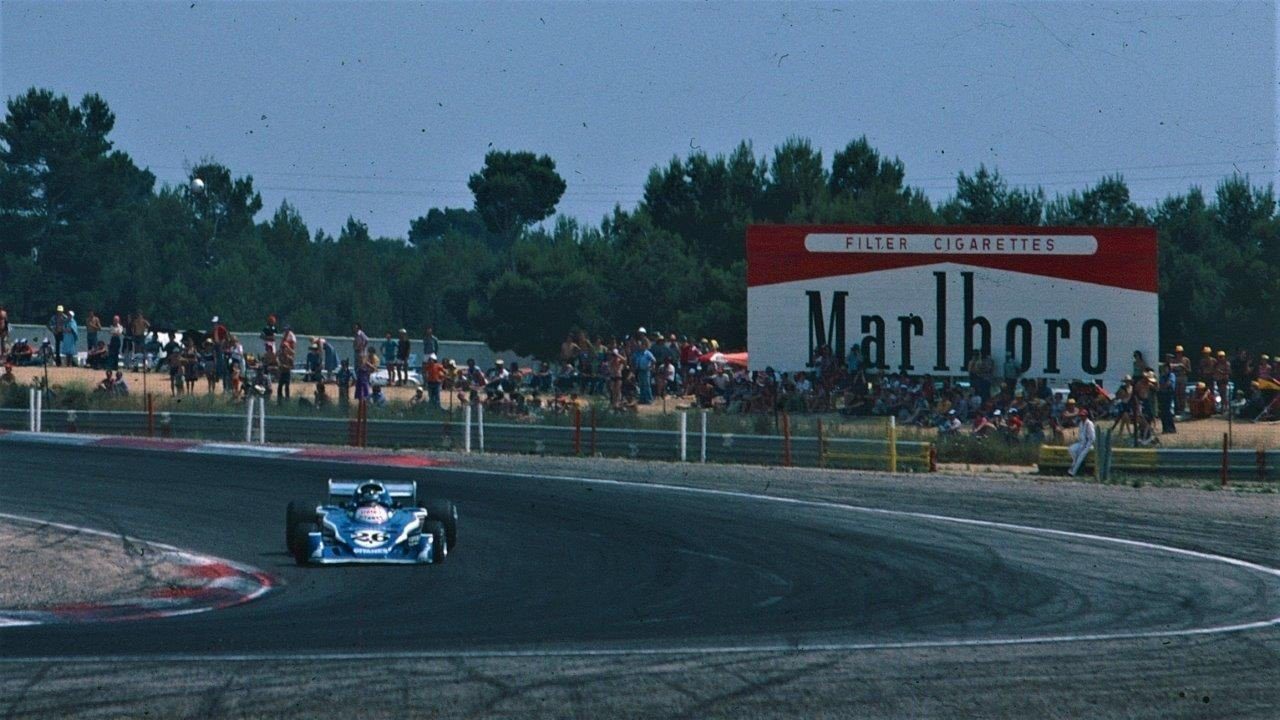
x: 1182, y: 375
x: 644, y: 362
x: 1202, y: 401
x: 70, y: 334
x: 1204, y: 368
x: 1222, y: 377
x: 433, y: 375
x: 57, y: 325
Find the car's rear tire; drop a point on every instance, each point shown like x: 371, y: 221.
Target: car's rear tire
x: 439, y: 539
x: 299, y: 511
x: 298, y: 541
x: 445, y: 512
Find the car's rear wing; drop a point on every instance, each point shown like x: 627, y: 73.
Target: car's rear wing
x: 340, y: 491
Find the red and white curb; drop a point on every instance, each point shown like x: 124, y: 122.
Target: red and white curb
x: 319, y: 454
x: 202, y: 583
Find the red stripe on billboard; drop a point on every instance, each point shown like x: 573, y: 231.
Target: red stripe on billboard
x: 1122, y: 257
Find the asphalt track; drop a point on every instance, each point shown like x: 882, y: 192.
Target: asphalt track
x: 550, y: 567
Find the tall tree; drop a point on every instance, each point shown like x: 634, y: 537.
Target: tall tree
x: 985, y: 198
x: 514, y: 190
x: 797, y: 182
x: 1105, y: 204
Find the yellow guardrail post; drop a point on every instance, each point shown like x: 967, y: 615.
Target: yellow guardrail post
x: 893, y: 444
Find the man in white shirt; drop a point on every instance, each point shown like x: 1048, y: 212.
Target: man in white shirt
x: 1080, y: 448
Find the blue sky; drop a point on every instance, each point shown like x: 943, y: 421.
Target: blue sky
x: 382, y: 111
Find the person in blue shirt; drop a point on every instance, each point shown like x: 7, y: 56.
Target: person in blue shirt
x: 644, y: 361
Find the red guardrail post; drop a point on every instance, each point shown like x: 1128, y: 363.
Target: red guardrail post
x: 593, y: 429
x: 933, y: 458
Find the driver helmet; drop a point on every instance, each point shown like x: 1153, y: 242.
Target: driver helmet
x: 373, y: 502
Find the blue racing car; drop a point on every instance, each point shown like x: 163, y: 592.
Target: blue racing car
x: 370, y: 521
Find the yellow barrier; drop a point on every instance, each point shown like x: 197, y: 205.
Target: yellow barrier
x: 1055, y: 460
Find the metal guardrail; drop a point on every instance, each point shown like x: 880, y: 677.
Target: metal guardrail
x: 1239, y: 464
x: 504, y: 437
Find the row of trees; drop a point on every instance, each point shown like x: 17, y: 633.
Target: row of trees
x: 82, y: 225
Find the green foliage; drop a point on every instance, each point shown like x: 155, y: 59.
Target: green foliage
x: 515, y: 190
x: 82, y: 225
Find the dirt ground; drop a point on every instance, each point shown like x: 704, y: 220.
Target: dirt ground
x: 1198, y: 433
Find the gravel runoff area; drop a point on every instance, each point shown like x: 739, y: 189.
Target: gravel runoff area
x: 1215, y: 676
x: 46, y: 566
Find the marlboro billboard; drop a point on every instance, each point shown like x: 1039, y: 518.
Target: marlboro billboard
x: 1069, y: 303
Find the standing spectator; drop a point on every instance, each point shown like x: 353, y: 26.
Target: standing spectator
x: 644, y: 361
x: 269, y: 331
x: 1181, y: 373
x: 1010, y: 372
x: 92, y: 327
x: 190, y: 364
x: 173, y: 360
x: 284, y: 360
x: 403, y: 348
x: 1140, y: 366
x: 116, y: 344
x: 433, y: 375
x: 70, y: 334
x: 359, y: 345
x: 1222, y: 376
x: 1165, y: 395
x: 1204, y: 371
x: 390, y: 354
x: 209, y: 363
x: 219, y: 333
x: 138, y: 328
x: 313, y: 364
x: 4, y: 331
x: 364, y: 373
x: 345, y: 378
x: 269, y: 365
x: 1080, y: 449
x: 57, y: 325
x: 617, y: 367
x: 430, y: 345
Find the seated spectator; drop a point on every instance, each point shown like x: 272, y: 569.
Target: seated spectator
x: 105, y: 384
x: 321, y: 395
x: 419, y: 398
x: 377, y: 398
x: 97, y: 358
x: 119, y: 386
x: 1202, y: 402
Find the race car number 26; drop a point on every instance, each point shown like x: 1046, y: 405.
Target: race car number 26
x: 369, y: 538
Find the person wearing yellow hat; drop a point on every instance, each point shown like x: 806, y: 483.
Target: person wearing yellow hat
x: 1222, y: 377
x: 1204, y: 369
x: 1181, y: 367
x: 1201, y: 402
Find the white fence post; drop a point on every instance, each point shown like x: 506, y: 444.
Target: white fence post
x: 684, y: 436
x: 31, y: 410
x: 480, y: 424
x: 248, y: 421
x: 40, y: 411
x: 703, y: 455
x: 262, y: 420
x: 466, y: 421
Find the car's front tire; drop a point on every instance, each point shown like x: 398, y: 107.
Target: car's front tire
x: 446, y: 513
x: 439, y: 541
x: 298, y: 541
x: 299, y: 511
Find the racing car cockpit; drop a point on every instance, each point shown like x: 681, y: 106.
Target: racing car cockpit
x: 371, y: 503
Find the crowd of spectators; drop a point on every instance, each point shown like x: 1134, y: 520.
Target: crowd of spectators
x: 994, y: 399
